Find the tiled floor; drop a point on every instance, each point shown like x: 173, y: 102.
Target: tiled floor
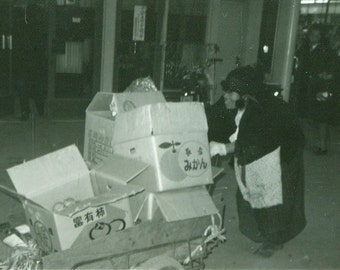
x: 317, y: 247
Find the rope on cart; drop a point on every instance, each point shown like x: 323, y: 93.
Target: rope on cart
x: 212, y: 233
x: 125, y: 253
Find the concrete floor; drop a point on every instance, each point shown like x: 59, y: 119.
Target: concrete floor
x: 317, y: 247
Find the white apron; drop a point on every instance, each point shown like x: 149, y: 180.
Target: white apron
x: 260, y: 182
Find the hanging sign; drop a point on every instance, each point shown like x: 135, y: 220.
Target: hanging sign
x: 139, y: 23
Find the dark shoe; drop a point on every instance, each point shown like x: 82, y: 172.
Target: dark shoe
x: 320, y: 152
x: 267, y: 250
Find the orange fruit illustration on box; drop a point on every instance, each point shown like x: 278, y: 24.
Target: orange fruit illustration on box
x: 182, y: 160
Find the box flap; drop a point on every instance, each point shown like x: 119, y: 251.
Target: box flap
x: 127, y: 101
x: 117, y: 193
x: 16, y: 195
x: 160, y: 118
x: 216, y: 171
x: 122, y: 102
x: 185, y: 203
x: 100, y: 102
x: 103, y: 114
x: 120, y: 169
x: 51, y: 170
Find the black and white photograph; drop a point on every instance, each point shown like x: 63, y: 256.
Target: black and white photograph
x: 169, y: 134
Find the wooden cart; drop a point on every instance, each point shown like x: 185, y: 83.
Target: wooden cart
x: 135, y: 245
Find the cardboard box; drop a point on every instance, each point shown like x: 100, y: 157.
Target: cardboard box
x: 121, y: 170
x: 179, y: 204
x: 173, y: 205
x: 98, y: 207
x: 127, y: 101
x: 171, y: 138
x: 99, y: 125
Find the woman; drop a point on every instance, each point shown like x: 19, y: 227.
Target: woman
x: 267, y: 147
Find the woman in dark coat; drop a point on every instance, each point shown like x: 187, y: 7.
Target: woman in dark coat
x: 267, y: 147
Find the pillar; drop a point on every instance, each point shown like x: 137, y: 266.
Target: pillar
x: 108, y: 45
x: 284, y: 46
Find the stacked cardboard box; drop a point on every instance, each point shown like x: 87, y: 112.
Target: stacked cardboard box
x: 170, y: 137
x: 100, y: 122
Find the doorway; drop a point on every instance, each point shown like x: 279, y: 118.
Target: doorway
x: 73, y: 71
x: 23, y: 76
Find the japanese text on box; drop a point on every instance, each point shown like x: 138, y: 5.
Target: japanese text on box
x: 89, y: 215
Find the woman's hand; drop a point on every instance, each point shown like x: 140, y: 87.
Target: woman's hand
x: 221, y: 148
x: 217, y: 149
x: 230, y: 147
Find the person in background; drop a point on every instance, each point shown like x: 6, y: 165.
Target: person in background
x: 335, y: 45
x: 317, y: 64
x: 268, y: 162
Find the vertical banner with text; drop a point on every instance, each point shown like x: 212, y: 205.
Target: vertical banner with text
x: 139, y: 17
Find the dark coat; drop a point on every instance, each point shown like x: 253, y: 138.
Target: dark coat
x: 221, y: 122
x: 266, y: 124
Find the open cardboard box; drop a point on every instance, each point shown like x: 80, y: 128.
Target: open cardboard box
x: 99, y: 207
x: 99, y: 124
x: 179, y: 204
x: 175, y: 205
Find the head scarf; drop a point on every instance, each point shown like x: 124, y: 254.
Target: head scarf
x: 244, y: 81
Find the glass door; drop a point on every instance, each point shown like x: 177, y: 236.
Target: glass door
x: 74, y: 55
x: 137, y: 42
x: 161, y: 39
x: 73, y: 48
x: 185, y: 53
x: 6, y: 100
